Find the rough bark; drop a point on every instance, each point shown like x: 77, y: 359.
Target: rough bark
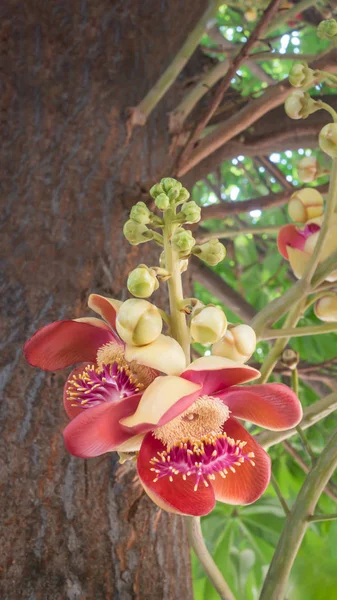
x: 77, y: 529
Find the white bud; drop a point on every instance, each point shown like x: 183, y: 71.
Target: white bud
x: 238, y: 343
x: 326, y: 308
x: 138, y: 322
x: 208, y: 325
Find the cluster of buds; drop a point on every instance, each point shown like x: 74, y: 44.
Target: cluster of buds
x: 169, y: 192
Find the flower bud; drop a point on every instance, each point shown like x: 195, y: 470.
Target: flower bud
x: 326, y: 308
x: 142, y: 282
x: 169, y: 182
x: 173, y: 193
x: 156, y: 190
x: 299, y: 105
x: 138, y: 322
x: 140, y: 213
x: 307, y: 169
x: 290, y: 358
x: 183, y: 196
x: 300, y: 75
x: 190, y: 212
x: 162, y: 202
x: 328, y: 139
x: 183, y: 241
x: 305, y: 204
x: 136, y: 233
x: 183, y: 263
x: 238, y: 343
x: 208, y: 325
x: 327, y: 30
x: 251, y: 14
x: 211, y: 252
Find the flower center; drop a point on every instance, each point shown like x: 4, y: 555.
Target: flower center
x: 112, y: 352
x: 309, y: 230
x: 204, y: 417
x: 203, y: 459
x: 101, y: 384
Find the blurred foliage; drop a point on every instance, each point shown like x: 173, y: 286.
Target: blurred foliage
x: 242, y: 539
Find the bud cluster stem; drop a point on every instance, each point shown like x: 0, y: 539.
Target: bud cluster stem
x: 179, y: 329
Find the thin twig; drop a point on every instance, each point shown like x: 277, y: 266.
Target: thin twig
x: 279, y: 494
x: 315, y: 518
x: 207, y: 562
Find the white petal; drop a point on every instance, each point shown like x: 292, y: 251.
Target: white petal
x: 164, y: 354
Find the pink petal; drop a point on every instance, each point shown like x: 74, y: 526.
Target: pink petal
x: 289, y: 236
x: 97, y: 430
x: 174, y: 496
x: 65, y: 343
x: 248, y: 483
x: 216, y: 373
x: 106, y: 307
x: 271, y: 405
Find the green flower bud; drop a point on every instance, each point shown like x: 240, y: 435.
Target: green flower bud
x: 142, y: 282
x: 162, y: 202
x: 208, y: 325
x: 156, y: 190
x: 328, y: 139
x: 327, y: 30
x: 183, y: 196
x: 173, y: 193
x: 136, y: 233
x: 301, y: 75
x: 138, y: 322
x: 212, y: 252
x: 169, y: 182
x: 299, y: 105
x: 140, y: 213
x: 191, y: 212
x: 183, y: 241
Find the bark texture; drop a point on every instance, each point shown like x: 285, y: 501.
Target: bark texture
x: 75, y: 529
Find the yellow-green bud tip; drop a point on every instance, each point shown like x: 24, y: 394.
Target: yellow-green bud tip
x: 136, y: 233
x: 191, y: 212
x: 140, y: 213
x: 212, y: 252
x: 162, y: 202
x: 142, y: 282
x: 327, y: 30
x: 300, y: 75
x: 183, y: 242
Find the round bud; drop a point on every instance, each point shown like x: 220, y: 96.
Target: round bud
x: 136, y: 233
x: 138, y: 322
x: 169, y: 182
x: 328, y: 139
x: 173, y: 193
x: 191, y: 212
x: 326, y: 308
x: 299, y: 105
x: 238, y: 343
x: 183, y: 196
x: 140, y: 213
x: 156, y: 190
x: 212, y: 252
x: 305, y: 204
x: 208, y: 325
x: 142, y: 282
x: 183, y: 242
x: 300, y: 75
x: 327, y: 30
x: 307, y: 169
x: 290, y: 358
x: 250, y: 14
x: 162, y: 202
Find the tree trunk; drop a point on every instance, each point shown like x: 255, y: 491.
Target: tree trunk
x: 77, y: 529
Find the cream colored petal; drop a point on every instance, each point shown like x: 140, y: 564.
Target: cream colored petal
x: 131, y: 445
x: 164, y: 354
x: 107, y: 308
x: 93, y: 321
x: 298, y: 261
x: 213, y: 363
x: 158, y: 398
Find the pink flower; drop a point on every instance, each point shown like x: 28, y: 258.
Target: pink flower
x: 194, y: 451
x: 297, y: 244
x: 107, y: 386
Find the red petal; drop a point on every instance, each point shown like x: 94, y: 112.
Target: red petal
x: 249, y: 482
x: 216, y: 373
x: 97, y: 430
x: 289, y: 236
x: 174, y: 496
x: 65, y: 343
x: 104, y: 307
x: 270, y: 405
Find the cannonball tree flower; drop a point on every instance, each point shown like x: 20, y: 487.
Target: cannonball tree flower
x: 107, y: 385
x: 296, y: 244
x: 194, y: 450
